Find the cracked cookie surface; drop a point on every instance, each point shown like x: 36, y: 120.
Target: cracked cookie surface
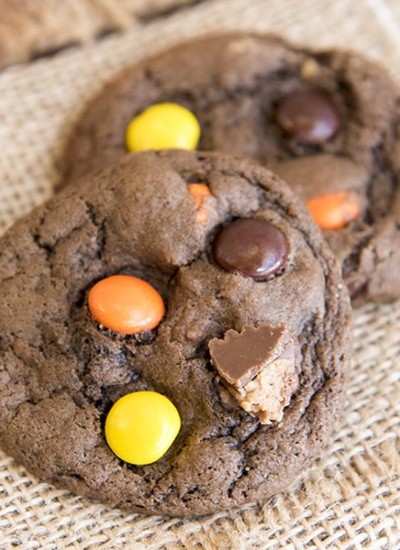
x: 61, y: 371
x: 234, y: 85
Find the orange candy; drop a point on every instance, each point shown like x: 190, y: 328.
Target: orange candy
x: 126, y: 304
x: 335, y: 210
x: 198, y: 192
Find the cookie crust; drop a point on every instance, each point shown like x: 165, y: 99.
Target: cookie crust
x: 60, y: 372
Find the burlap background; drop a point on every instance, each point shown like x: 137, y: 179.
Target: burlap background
x: 34, y: 28
x: 351, y: 498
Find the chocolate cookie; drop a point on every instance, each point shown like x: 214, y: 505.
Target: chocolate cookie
x: 328, y: 122
x: 174, y: 335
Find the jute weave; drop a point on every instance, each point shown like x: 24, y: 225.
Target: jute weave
x: 34, y: 28
x: 350, y: 499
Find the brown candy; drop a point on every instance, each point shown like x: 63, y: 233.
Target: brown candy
x: 253, y: 247
x: 258, y: 366
x: 308, y: 117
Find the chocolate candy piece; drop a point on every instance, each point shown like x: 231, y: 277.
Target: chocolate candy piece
x: 308, y: 117
x: 258, y: 366
x: 253, y: 247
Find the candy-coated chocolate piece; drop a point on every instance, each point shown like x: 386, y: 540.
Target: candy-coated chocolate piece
x: 163, y: 126
x: 199, y: 191
x: 253, y: 247
x: 334, y: 211
x: 141, y: 427
x: 126, y: 304
x: 308, y: 117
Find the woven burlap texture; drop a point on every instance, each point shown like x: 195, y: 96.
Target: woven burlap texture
x: 30, y: 28
x: 350, y: 499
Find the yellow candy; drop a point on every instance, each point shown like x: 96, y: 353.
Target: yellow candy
x: 163, y: 126
x: 141, y: 427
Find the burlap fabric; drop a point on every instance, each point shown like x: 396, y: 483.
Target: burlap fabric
x: 33, y: 28
x: 351, y: 498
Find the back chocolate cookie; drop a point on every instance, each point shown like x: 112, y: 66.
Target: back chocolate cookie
x: 328, y: 122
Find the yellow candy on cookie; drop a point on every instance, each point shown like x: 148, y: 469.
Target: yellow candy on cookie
x: 141, y: 426
x: 163, y: 126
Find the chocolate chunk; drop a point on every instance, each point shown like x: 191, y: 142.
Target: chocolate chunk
x: 258, y: 366
x: 310, y: 175
x: 253, y: 247
x: 308, y: 117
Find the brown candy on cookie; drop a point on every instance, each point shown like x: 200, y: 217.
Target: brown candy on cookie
x: 258, y: 366
x: 253, y: 247
x: 309, y: 117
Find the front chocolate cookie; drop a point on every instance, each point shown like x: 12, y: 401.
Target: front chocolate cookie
x: 174, y: 335
x: 327, y: 122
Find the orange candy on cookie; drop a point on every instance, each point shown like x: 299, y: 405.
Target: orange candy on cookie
x: 334, y: 211
x: 126, y: 304
x: 199, y: 191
